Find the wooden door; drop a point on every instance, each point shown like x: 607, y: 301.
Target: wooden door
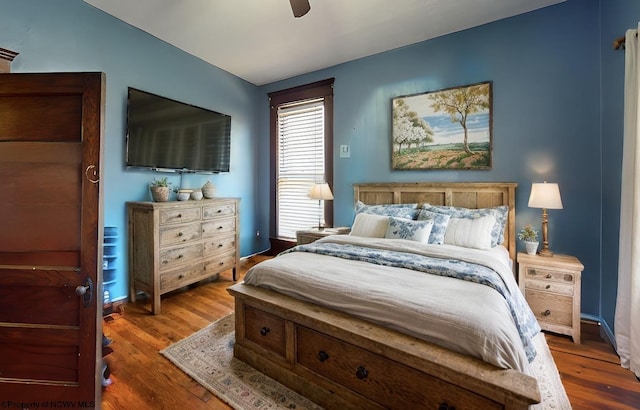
x: 50, y: 232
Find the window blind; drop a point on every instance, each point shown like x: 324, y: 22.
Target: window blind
x: 300, y: 165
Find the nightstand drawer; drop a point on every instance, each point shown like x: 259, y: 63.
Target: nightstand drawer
x: 551, y: 308
x: 548, y: 286
x: 550, y: 275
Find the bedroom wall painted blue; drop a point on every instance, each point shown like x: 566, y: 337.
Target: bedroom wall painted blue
x: 71, y: 35
x: 557, y: 88
x: 547, y: 84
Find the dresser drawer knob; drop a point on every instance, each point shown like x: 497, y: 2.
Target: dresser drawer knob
x: 180, y: 276
x: 547, y: 287
x: 180, y: 234
x: 265, y: 331
x: 220, y: 245
x: 361, y: 373
x: 323, y: 356
x: 549, y: 276
x: 546, y: 312
x: 220, y: 227
x: 445, y: 406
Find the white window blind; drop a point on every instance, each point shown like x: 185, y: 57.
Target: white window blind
x: 300, y: 165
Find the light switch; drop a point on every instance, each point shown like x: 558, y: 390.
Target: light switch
x: 345, y: 151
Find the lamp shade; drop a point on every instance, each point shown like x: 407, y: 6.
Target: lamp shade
x: 321, y: 191
x: 545, y: 195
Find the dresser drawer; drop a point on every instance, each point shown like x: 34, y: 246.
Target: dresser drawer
x: 181, y: 277
x: 220, y: 244
x: 218, y: 226
x: 171, y: 216
x: 218, y: 210
x: 376, y: 377
x: 265, y: 329
x: 549, y: 286
x: 550, y: 275
x: 550, y: 308
x: 179, y: 234
x: 170, y: 258
x: 221, y: 262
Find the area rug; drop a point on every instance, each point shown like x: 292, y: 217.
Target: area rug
x: 207, y: 356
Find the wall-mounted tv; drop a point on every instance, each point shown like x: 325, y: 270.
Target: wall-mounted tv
x: 168, y: 135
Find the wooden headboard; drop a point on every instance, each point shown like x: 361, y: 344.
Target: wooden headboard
x: 461, y: 194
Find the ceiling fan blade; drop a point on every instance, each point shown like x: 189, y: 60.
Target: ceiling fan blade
x: 300, y: 7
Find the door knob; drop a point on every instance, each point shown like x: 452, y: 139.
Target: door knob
x: 85, y: 291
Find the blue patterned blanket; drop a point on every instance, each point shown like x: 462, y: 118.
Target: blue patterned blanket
x: 523, y: 318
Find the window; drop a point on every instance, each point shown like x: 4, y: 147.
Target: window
x: 301, y: 141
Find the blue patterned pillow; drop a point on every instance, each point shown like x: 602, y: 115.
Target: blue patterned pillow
x: 440, y: 222
x: 401, y: 228
x: 499, y: 212
x: 408, y: 211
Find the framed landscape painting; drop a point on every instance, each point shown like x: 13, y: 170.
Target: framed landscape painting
x: 445, y: 129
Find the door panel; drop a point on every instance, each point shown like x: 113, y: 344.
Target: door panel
x: 50, y: 231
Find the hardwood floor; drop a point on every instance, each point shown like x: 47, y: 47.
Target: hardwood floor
x: 144, y: 379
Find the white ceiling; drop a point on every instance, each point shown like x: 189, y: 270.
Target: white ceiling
x: 261, y: 42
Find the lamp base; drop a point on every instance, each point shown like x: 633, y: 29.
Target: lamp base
x: 545, y: 252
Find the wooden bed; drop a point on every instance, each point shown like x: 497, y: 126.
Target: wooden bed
x: 372, y: 366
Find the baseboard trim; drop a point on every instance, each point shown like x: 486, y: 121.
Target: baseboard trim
x: 605, y: 331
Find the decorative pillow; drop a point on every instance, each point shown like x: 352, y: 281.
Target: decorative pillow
x: 370, y: 226
x: 470, y: 232
x: 401, y: 228
x: 440, y: 222
x: 500, y: 214
x: 408, y: 211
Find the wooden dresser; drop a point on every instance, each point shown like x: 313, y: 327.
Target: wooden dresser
x: 174, y: 244
x: 551, y: 286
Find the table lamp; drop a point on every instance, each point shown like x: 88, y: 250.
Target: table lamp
x: 545, y: 196
x: 321, y: 192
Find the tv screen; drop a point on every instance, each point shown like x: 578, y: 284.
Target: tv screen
x: 168, y: 135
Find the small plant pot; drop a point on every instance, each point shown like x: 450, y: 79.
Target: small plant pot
x: 532, y: 247
x: 159, y: 193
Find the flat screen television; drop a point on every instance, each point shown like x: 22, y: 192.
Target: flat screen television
x: 168, y: 135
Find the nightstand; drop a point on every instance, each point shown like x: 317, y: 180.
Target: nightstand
x: 551, y: 286
x: 313, y: 234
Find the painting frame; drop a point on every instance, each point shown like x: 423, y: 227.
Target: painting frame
x: 446, y: 129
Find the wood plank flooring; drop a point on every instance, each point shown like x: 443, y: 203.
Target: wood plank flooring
x: 144, y: 379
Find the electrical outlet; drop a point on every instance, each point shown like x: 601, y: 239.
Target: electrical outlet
x: 345, y: 151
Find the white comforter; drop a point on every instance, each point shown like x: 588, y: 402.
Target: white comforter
x: 463, y: 316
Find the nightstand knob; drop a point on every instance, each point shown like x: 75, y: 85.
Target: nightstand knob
x: 323, y: 356
x: 265, y: 331
x: 549, y: 276
x: 547, y: 287
x: 546, y: 312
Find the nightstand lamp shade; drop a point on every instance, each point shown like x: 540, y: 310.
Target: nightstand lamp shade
x: 545, y: 196
x: 321, y: 192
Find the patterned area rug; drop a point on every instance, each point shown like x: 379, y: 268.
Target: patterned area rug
x: 207, y: 356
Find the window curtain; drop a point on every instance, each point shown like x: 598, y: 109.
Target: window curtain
x: 627, y: 317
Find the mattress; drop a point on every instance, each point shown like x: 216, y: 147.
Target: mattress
x: 432, y: 304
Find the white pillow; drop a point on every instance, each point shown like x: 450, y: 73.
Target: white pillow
x: 370, y: 226
x: 470, y: 232
x: 401, y: 228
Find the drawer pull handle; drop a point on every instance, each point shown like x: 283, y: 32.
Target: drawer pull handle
x: 220, y: 227
x: 323, y: 356
x: 179, y: 256
x: 219, y: 211
x: 180, y: 234
x: 445, y: 406
x: 547, y: 287
x: 361, y: 373
x: 549, y: 276
x: 179, y: 216
x: 180, y: 276
x: 546, y: 312
x: 265, y: 331
x: 220, y: 245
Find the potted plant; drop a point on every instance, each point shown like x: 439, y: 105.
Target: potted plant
x: 530, y: 238
x: 160, y: 189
